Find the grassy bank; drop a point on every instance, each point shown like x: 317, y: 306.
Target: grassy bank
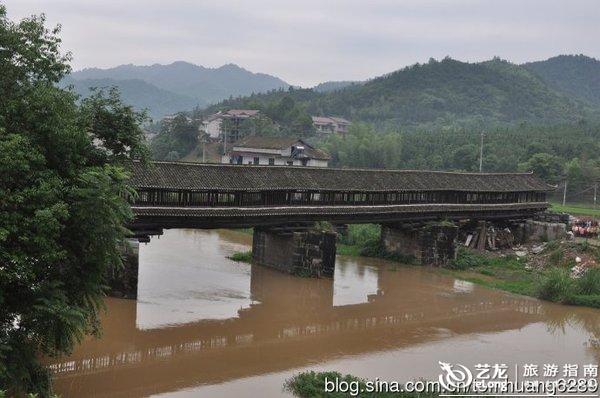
x: 552, y: 281
x: 312, y: 385
x: 504, y: 273
x: 242, y: 257
x: 581, y: 210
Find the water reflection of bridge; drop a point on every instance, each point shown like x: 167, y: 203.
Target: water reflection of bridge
x: 283, y: 331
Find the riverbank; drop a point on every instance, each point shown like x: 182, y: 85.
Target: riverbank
x: 565, y: 272
x: 553, y: 273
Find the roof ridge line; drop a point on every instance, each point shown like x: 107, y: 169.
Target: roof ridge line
x: 198, y: 164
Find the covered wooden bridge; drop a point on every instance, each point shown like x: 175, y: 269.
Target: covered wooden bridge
x: 176, y: 194
x: 283, y: 202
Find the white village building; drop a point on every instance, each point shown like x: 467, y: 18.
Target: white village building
x: 275, y: 151
x: 211, y: 125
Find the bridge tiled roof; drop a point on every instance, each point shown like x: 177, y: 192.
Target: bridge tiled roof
x: 196, y: 176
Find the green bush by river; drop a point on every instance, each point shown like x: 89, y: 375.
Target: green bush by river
x: 312, y: 385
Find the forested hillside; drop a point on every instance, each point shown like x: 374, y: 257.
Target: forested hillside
x: 447, y: 93
x: 574, y: 75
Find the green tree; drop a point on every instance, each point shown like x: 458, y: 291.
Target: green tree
x: 364, y: 147
x: 574, y: 171
x: 466, y: 158
x: 258, y: 125
x: 176, y: 138
x: 302, y: 126
x: 582, y: 176
x: 63, y: 202
x: 544, y: 165
x: 115, y: 124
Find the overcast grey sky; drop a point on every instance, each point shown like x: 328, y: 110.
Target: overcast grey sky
x: 310, y: 41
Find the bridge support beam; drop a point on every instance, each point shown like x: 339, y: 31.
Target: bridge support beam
x: 430, y: 244
x: 306, y: 253
x: 123, y: 283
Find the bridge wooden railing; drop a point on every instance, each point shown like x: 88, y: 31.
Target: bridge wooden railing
x: 190, y: 198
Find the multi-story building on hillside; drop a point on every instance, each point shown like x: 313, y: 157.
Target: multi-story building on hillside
x: 212, y: 125
x: 330, y: 125
x: 275, y: 151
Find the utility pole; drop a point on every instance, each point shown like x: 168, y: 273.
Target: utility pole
x: 595, y: 191
x: 565, y: 193
x: 481, y: 154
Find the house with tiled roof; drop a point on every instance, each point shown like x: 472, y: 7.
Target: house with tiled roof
x: 330, y: 124
x: 256, y: 150
x: 211, y: 125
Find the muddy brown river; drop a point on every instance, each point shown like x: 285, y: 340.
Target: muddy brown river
x: 206, y: 326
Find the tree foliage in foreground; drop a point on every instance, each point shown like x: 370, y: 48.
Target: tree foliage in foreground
x: 62, y: 202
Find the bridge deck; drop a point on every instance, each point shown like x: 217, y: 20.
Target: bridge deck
x: 243, y: 217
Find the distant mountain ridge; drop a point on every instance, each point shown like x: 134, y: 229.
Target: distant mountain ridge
x: 445, y: 93
x: 177, y: 84
x: 139, y: 94
x: 448, y: 92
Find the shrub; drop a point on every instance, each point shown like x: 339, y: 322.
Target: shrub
x: 555, y: 258
x: 556, y: 285
x: 374, y: 248
x: 466, y: 259
x: 360, y: 234
x: 589, y: 283
x: 243, y: 257
x: 312, y: 385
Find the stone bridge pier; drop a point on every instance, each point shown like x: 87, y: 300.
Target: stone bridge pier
x: 427, y: 244
x: 295, y: 250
